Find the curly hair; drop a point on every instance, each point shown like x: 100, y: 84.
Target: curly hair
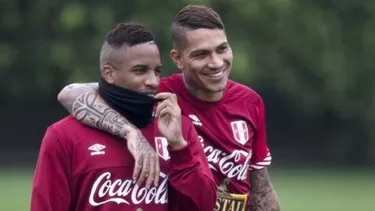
x: 129, y: 34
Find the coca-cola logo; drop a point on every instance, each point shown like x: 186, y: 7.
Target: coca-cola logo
x: 120, y: 191
x: 228, y: 164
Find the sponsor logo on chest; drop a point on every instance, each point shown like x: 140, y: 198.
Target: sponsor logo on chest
x: 233, y: 165
x: 107, y: 190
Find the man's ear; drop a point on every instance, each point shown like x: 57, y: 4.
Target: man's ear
x: 176, y: 58
x: 109, y: 74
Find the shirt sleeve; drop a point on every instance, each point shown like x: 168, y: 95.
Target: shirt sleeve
x: 190, y: 174
x: 261, y: 156
x: 51, y: 185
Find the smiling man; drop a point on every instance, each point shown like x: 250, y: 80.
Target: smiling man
x: 229, y: 117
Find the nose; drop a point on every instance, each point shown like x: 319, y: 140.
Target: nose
x: 215, y: 62
x: 152, y: 81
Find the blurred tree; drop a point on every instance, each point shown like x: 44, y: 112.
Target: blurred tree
x: 311, y: 58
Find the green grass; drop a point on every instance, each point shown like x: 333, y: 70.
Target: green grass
x: 298, y: 190
x: 325, y: 190
x: 15, y: 188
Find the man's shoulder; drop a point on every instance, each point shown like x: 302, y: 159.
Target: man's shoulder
x: 170, y: 83
x: 70, y: 131
x: 172, y: 78
x: 70, y: 128
x: 68, y: 122
x: 241, y: 91
x: 56, y: 135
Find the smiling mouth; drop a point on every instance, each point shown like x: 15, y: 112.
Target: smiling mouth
x: 216, y: 74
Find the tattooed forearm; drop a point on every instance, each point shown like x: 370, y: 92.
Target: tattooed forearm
x: 263, y: 196
x: 70, y: 93
x: 90, y: 109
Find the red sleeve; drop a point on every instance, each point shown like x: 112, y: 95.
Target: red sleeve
x: 190, y: 175
x: 51, y: 185
x: 261, y: 156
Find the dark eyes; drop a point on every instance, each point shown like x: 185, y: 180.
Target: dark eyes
x: 203, y: 54
x: 140, y: 70
x: 222, y: 48
x: 158, y: 70
x: 200, y: 54
x: 143, y: 71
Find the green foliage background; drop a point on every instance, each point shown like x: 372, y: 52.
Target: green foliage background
x: 312, y: 61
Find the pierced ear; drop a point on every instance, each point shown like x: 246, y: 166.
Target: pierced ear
x: 176, y: 58
x: 109, y: 73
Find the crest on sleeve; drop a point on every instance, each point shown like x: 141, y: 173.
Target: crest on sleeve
x: 161, y: 145
x: 240, y: 131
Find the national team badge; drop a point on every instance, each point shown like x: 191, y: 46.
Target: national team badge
x: 161, y: 145
x: 240, y: 131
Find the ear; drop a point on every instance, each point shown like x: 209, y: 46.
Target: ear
x: 109, y: 74
x: 176, y: 58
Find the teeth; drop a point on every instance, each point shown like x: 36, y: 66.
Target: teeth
x: 217, y: 74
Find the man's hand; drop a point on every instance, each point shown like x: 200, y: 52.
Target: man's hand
x: 146, y: 160
x: 169, y: 120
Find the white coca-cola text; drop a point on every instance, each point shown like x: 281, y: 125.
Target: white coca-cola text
x: 228, y: 164
x: 116, y: 191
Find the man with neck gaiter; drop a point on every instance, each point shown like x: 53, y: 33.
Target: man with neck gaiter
x: 80, y: 168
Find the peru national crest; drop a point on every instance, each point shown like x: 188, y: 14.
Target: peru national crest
x: 161, y: 145
x: 240, y: 131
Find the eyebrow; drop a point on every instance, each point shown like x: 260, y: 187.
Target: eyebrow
x: 139, y: 66
x: 205, y: 50
x: 145, y: 66
x: 223, y: 44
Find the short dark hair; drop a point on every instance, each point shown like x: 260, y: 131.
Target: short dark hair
x: 129, y: 34
x: 193, y: 17
x: 125, y: 34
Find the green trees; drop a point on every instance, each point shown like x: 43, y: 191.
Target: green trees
x: 317, y: 55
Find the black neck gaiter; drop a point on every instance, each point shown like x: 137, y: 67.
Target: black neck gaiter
x: 134, y: 106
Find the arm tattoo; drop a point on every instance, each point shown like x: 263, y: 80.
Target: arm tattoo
x: 70, y: 93
x: 90, y: 109
x: 140, y: 145
x: 263, y: 196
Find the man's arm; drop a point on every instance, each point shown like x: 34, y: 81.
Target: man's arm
x: 85, y: 104
x: 51, y: 185
x: 189, y: 172
x: 71, y: 92
x: 190, y: 175
x: 263, y: 196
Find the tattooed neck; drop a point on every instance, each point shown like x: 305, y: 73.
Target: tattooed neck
x: 190, y: 88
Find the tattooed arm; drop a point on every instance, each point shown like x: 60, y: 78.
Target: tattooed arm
x: 263, y: 196
x: 71, y: 92
x: 85, y: 104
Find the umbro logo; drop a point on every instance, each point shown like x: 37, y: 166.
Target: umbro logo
x: 97, y: 149
x: 195, y: 119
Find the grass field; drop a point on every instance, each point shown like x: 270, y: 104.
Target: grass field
x: 298, y: 190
